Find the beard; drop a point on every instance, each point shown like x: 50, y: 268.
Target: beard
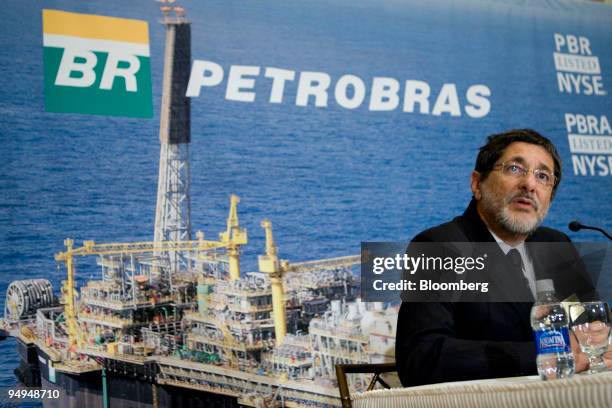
x: 521, y: 223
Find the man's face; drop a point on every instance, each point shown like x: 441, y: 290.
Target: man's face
x: 510, y: 204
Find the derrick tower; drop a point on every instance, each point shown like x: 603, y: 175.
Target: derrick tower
x: 173, y: 211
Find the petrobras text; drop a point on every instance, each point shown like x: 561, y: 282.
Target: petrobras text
x: 348, y: 91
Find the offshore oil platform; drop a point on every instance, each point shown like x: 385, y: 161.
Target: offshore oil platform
x: 174, y: 321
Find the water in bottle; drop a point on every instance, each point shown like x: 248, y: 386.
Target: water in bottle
x: 549, y: 322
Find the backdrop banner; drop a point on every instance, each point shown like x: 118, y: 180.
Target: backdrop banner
x: 339, y: 121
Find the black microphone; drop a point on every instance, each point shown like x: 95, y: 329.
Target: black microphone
x: 577, y: 226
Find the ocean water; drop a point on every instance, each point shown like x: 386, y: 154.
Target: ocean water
x: 328, y: 178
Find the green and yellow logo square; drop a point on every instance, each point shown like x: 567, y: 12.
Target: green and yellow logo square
x: 96, y: 64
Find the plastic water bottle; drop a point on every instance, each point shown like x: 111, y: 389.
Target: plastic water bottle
x: 549, y: 322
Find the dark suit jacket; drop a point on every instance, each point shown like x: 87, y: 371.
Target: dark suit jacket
x: 439, y: 342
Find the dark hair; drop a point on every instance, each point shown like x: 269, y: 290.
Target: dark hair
x: 496, y: 144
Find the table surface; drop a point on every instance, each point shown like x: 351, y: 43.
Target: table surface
x: 582, y: 390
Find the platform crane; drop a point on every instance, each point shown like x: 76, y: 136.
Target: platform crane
x: 276, y: 268
x: 231, y: 239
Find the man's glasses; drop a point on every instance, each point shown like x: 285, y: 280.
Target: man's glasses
x: 514, y: 169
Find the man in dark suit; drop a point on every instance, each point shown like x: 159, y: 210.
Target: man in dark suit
x: 515, y: 178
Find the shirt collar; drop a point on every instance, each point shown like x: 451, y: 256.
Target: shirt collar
x: 505, y: 247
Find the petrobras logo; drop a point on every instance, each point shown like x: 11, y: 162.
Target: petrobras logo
x: 96, y: 64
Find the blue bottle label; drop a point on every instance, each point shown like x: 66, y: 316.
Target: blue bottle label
x: 552, y: 341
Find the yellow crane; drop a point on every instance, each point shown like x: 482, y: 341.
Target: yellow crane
x: 231, y: 239
x: 276, y: 268
x: 270, y: 264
